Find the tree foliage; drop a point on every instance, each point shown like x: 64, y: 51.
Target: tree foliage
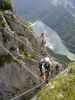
x: 5, y: 4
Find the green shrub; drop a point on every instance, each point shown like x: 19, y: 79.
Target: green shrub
x: 23, y: 52
x: 2, y: 24
x: 5, y: 59
x: 5, y: 4
x: 33, y: 82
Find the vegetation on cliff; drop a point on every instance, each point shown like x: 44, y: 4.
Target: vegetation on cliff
x: 62, y: 87
x: 5, y: 4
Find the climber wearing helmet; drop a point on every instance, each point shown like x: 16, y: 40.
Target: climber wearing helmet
x: 44, y: 66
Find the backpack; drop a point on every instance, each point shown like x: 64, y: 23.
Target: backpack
x: 47, y: 66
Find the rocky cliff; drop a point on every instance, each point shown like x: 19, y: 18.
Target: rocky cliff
x: 19, y: 40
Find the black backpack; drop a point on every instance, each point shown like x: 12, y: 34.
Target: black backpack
x: 47, y: 66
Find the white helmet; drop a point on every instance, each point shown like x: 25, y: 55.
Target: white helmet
x: 47, y: 59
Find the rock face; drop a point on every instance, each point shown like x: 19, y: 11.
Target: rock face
x: 14, y: 78
x: 18, y: 38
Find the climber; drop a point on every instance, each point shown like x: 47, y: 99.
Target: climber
x: 44, y: 67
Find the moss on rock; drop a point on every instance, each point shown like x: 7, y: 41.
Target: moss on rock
x: 5, y: 59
